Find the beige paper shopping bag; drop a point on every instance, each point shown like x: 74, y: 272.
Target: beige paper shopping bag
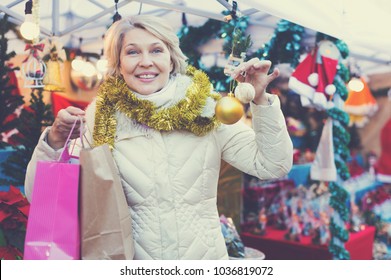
x: 106, y: 224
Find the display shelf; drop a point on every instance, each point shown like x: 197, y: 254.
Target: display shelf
x: 275, y: 247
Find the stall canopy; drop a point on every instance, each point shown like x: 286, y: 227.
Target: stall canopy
x: 362, y: 24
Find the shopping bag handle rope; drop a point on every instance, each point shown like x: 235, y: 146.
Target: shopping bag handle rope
x: 69, y: 137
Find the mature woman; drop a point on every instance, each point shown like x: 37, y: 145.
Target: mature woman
x: 158, y: 116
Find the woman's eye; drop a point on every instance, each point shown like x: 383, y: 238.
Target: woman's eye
x: 131, y: 52
x: 157, y: 51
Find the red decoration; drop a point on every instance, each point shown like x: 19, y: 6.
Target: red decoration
x: 14, y: 209
x: 33, y: 50
x: 383, y: 165
x: 60, y: 102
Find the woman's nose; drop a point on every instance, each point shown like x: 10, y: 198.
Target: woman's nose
x: 146, y: 60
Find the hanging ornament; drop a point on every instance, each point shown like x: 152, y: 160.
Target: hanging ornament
x: 313, y: 77
x: 245, y: 92
x: 233, y: 62
x: 323, y: 168
x: 228, y: 109
x: 52, y: 79
x: 360, y: 105
x: 33, y: 68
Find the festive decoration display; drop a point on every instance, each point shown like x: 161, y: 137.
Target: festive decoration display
x: 265, y: 200
x: 14, y: 209
x: 339, y: 196
x: 10, y: 99
x: 235, y: 246
x: 319, y: 80
x: 371, y: 205
x: 114, y: 94
x: 52, y: 59
x: 323, y: 167
x: 240, y: 45
x: 285, y: 46
x: 245, y: 92
x: 313, y: 78
x: 360, y: 105
x: 229, y: 110
x: 33, y: 119
x: 300, y: 211
x: 295, y: 127
x: 60, y: 101
x: 235, y: 41
x: 383, y: 165
x: 191, y: 38
x: 233, y: 62
x: 33, y: 68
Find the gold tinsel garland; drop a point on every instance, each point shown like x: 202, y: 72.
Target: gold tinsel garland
x: 114, y: 95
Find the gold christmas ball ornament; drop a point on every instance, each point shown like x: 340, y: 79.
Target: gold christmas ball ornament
x: 245, y: 92
x: 229, y: 110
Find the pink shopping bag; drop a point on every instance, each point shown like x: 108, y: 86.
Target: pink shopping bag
x: 53, y: 225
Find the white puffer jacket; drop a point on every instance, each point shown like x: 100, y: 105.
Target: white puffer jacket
x: 170, y: 178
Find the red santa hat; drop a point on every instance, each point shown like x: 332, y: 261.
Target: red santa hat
x: 325, y: 88
x: 299, y: 82
x: 383, y: 165
x: 313, y: 77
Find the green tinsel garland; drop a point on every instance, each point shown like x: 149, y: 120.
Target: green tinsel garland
x: 342, y: 150
x: 341, y: 134
x: 343, y: 72
x: 338, y: 252
x: 342, y: 169
x: 341, y: 138
x: 341, y: 141
x: 339, y: 115
x: 341, y: 89
x: 343, y: 48
x: 285, y: 46
x: 338, y: 232
x: 340, y: 196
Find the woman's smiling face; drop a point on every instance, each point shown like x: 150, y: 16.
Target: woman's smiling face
x: 145, y: 62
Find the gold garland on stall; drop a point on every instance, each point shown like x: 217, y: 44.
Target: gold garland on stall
x: 115, y: 95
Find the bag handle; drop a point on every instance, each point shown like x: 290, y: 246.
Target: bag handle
x: 64, y: 156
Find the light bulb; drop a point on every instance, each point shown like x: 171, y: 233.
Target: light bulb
x: 29, y: 29
x: 89, y: 69
x: 77, y: 63
x: 355, y: 84
x: 101, y: 65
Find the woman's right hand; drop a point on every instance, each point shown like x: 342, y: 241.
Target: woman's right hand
x: 62, y: 126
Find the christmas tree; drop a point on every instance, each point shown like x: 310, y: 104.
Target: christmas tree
x: 9, y: 101
x: 33, y: 119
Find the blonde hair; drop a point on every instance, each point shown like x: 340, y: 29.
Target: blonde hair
x: 154, y: 25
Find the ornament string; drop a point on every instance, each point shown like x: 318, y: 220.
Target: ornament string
x: 239, y: 47
x: 35, y: 13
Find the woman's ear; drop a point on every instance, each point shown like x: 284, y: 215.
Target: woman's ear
x: 171, y: 67
x: 120, y: 69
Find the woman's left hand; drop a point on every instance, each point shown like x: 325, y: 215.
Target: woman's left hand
x: 255, y: 72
